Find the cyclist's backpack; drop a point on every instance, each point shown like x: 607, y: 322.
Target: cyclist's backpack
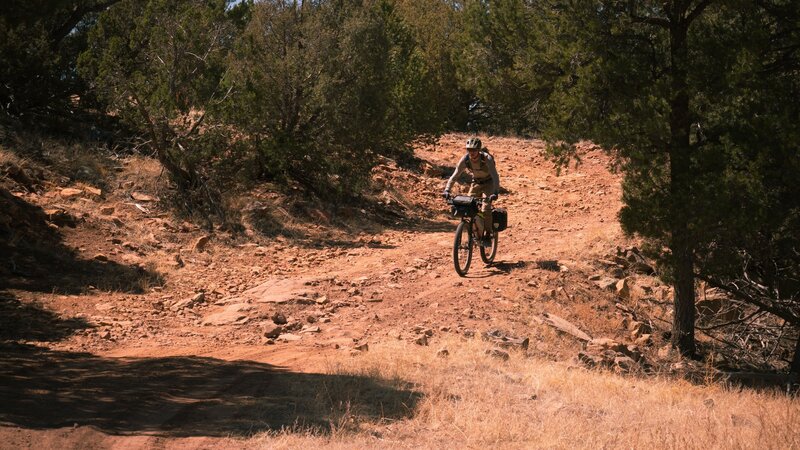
x: 499, y: 219
x: 464, y: 206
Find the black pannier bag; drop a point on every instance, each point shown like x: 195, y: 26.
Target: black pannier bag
x: 464, y: 206
x: 499, y: 219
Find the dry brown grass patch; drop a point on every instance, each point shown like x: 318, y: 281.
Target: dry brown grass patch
x: 472, y: 400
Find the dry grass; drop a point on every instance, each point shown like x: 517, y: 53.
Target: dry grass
x: 474, y: 401
x: 8, y: 158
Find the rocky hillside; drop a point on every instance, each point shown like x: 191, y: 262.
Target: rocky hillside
x: 97, y: 271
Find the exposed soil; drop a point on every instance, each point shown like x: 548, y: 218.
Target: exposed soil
x: 124, y: 331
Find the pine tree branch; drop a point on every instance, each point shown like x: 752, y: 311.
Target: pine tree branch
x: 738, y: 293
x: 78, y: 13
x: 698, y: 10
x: 734, y: 322
x: 657, y: 21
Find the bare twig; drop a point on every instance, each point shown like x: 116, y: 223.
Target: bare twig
x: 734, y: 322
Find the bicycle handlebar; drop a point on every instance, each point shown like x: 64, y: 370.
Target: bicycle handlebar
x: 478, y: 200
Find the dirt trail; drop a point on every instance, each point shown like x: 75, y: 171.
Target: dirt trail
x: 145, y: 369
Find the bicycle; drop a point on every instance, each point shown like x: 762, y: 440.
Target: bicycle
x: 467, y: 232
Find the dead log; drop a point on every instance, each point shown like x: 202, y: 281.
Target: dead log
x: 565, y: 326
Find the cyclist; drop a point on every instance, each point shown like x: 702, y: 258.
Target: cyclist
x: 485, y: 183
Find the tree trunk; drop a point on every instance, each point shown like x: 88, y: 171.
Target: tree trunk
x: 681, y: 243
x: 795, y: 367
x: 185, y: 180
x: 684, y: 298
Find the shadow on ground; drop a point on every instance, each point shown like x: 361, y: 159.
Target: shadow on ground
x: 33, y: 257
x: 184, y: 396
x: 30, y: 322
x: 500, y: 268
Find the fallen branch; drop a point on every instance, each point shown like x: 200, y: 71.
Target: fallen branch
x: 565, y: 326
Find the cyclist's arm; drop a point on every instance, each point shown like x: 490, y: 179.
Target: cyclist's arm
x: 460, y: 168
x: 493, y: 174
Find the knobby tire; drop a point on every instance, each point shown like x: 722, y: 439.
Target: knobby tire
x: 462, y: 249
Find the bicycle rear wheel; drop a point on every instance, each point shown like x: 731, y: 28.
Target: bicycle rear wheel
x: 462, y: 248
x: 488, y: 253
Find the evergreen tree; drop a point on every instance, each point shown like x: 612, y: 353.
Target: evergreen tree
x: 321, y: 88
x: 159, y: 66
x: 501, y: 44
x: 692, y: 94
x: 39, y: 45
x: 436, y: 27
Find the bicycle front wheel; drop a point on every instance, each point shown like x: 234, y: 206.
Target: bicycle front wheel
x: 462, y: 249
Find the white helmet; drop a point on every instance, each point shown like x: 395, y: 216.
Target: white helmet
x: 473, y: 143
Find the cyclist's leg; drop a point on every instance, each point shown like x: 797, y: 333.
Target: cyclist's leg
x: 484, y: 219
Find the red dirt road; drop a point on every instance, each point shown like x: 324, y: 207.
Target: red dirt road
x: 161, y: 368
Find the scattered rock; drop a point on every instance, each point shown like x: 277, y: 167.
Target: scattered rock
x: 625, y: 363
x: 642, y: 268
x: 101, y: 257
x: 504, y: 340
x: 201, y: 243
x: 139, y: 197
x: 644, y: 340
x: 286, y: 290
x: 107, y: 210
x: 590, y: 360
x: 70, y: 192
x: 599, y: 345
x: 639, y: 328
x: 181, y: 304
x: 272, y: 331
x: 293, y: 325
x: 443, y: 353
x: 497, y: 353
x: 623, y: 289
x: 60, y: 218
x: 94, y: 191
x: 605, y: 352
x: 279, y: 318
x: 421, y: 340
x: 606, y: 284
x: 289, y: 337
x: 230, y: 315
x: 362, y: 347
